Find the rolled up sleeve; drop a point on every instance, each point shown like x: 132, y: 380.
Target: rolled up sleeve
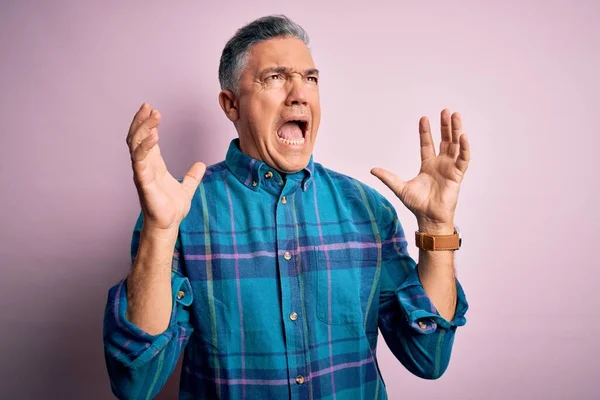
x: 420, y: 312
x: 131, y: 346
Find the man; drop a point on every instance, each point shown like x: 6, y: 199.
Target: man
x: 272, y: 273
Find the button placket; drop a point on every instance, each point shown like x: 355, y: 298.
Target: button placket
x: 294, y: 328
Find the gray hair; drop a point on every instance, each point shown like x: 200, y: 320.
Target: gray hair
x: 235, y: 53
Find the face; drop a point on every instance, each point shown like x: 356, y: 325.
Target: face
x: 277, y: 110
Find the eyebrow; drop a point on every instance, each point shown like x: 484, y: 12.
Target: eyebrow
x: 281, y: 70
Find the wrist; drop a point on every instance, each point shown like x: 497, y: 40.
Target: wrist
x: 438, y: 237
x: 159, y: 234
x: 436, y: 228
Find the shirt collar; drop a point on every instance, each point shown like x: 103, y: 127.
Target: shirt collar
x: 252, y: 172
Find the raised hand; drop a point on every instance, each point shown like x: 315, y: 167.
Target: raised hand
x: 164, y: 200
x: 433, y: 194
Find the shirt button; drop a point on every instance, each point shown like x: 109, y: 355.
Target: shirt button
x: 254, y: 183
x: 180, y: 294
x: 299, y: 379
x: 293, y: 316
x: 269, y: 175
x: 422, y: 325
x: 283, y: 200
x: 287, y: 255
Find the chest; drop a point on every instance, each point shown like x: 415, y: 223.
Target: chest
x: 254, y: 261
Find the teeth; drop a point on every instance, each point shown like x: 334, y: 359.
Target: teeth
x: 292, y: 142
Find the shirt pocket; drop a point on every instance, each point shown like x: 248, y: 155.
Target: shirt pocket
x: 347, y: 287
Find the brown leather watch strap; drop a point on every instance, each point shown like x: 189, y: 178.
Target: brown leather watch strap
x: 438, y: 242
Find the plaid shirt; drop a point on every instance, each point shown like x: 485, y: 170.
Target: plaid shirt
x: 279, y: 288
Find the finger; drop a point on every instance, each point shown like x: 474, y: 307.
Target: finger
x: 139, y: 117
x: 145, y: 146
x: 145, y: 129
x: 446, y: 131
x: 390, y: 180
x: 192, y: 178
x: 427, y: 148
x: 456, y: 132
x: 464, y: 156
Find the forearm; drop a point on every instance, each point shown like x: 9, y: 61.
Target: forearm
x: 420, y: 336
x: 437, y: 275
x: 149, y: 297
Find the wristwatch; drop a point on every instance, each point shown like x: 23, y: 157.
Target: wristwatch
x: 430, y: 242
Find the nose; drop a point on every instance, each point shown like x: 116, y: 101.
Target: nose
x: 296, y: 95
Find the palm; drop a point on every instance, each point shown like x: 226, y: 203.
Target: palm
x: 433, y: 194
x: 164, y: 200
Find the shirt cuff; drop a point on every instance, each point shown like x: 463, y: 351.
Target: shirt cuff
x: 128, y: 343
x: 420, y: 312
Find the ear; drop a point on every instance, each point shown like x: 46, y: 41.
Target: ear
x: 228, y: 103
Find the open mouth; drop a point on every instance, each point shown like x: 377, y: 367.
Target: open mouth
x: 293, y: 132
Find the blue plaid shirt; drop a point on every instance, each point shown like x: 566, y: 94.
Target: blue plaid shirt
x: 280, y: 285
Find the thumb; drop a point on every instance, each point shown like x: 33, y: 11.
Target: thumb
x: 390, y: 180
x: 192, y: 178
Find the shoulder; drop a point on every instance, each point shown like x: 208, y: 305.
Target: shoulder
x: 210, y: 189
x: 351, y: 187
x: 361, y: 198
x: 214, y: 172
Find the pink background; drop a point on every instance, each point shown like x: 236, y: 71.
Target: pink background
x: 523, y: 74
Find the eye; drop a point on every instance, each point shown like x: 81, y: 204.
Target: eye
x: 274, y: 77
x: 313, y: 79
